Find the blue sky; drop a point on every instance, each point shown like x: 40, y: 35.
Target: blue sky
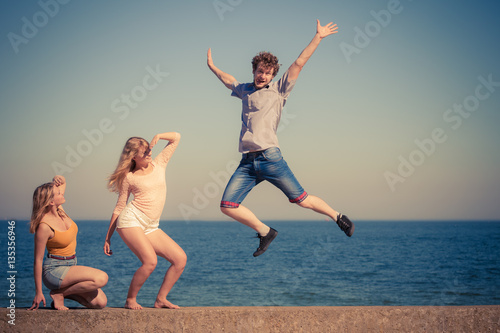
x: 394, y: 117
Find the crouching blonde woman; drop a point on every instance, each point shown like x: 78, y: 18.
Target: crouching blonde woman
x: 54, y: 229
x: 137, y: 222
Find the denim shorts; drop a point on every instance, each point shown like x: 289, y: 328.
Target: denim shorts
x: 54, y: 271
x: 256, y: 167
x: 131, y: 216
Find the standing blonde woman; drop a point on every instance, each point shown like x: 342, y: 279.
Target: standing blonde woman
x: 54, y: 229
x: 137, y: 222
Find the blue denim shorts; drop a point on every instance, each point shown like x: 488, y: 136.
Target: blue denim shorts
x: 256, y: 167
x: 54, y: 271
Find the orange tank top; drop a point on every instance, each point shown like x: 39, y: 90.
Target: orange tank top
x: 64, y: 242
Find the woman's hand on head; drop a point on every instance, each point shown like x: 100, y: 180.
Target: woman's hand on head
x: 154, y: 141
x: 59, y: 180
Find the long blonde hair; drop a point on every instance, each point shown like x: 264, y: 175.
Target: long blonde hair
x: 126, y: 162
x: 42, y: 197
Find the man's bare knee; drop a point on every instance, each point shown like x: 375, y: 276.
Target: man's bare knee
x: 305, y: 204
x: 227, y: 210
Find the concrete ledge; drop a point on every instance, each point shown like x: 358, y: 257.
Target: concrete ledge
x: 260, y: 319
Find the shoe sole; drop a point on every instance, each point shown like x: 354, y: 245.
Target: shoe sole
x: 351, y: 231
x: 255, y: 254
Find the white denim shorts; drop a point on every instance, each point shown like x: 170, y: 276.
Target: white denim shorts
x: 132, y: 216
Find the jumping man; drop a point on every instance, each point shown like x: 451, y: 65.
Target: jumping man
x: 263, y: 102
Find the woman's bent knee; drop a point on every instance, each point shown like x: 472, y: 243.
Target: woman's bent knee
x: 100, y: 301
x: 181, y: 261
x: 101, y: 279
x: 149, y: 266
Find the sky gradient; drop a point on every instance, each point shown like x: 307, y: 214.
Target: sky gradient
x: 394, y: 117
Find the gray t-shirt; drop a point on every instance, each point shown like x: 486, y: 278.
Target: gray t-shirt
x: 261, y: 112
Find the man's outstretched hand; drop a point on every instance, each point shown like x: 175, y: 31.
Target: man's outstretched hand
x: 327, y: 30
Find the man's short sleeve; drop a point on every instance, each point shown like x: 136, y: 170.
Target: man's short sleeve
x: 237, y: 89
x: 284, y: 85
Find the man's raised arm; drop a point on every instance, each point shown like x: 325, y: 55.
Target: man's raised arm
x: 225, y: 78
x: 321, y: 32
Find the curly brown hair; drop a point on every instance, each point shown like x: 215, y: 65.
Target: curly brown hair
x: 268, y: 60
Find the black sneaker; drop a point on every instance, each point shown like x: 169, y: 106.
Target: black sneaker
x: 265, y: 241
x: 345, y: 224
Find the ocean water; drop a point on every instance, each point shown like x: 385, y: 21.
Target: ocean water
x: 309, y: 263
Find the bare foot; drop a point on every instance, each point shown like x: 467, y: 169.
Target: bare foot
x: 165, y: 304
x: 132, y: 304
x: 58, y: 300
